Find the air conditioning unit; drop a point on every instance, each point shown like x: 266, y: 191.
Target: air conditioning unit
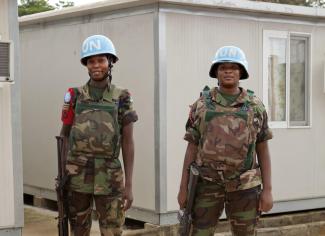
x: 6, y: 61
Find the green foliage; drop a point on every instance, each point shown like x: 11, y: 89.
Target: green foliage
x: 64, y: 4
x: 315, y: 3
x: 307, y: 3
x: 28, y: 7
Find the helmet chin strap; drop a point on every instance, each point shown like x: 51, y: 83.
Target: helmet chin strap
x: 110, y: 66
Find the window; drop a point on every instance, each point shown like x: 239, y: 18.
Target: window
x: 286, y: 78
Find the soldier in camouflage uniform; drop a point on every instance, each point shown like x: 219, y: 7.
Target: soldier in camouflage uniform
x: 227, y: 128
x: 97, y: 121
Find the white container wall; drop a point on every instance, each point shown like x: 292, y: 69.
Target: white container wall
x: 191, y: 41
x: 56, y: 66
x: 165, y: 50
x: 6, y: 169
x: 11, y: 197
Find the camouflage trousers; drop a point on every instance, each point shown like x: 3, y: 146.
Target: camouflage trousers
x: 109, y: 210
x: 241, y: 209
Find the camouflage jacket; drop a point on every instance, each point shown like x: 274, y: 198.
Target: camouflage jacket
x: 226, y: 135
x: 95, y: 139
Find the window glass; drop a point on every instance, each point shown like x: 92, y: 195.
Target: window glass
x: 286, y: 67
x: 298, y: 86
x: 277, y: 79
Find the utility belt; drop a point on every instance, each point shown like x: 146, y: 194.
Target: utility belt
x: 88, y: 161
x: 78, y: 155
x: 245, y: 180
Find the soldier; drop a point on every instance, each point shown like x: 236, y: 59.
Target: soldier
x: 97, y: 120
x: 226, y: 129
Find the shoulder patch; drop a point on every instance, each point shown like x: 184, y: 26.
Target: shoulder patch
x: 67, y: 97
x: 131, y: 99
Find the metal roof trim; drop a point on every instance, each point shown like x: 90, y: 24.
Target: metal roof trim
x: 238, y: 5
x: 75, y: 11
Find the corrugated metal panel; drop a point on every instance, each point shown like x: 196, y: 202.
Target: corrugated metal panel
x: 4, y: 59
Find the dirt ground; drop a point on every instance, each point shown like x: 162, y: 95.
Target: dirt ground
x: 40, y: 222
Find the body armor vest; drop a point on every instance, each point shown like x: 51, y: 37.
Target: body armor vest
x: 227, y: 145
x: 95, y: 131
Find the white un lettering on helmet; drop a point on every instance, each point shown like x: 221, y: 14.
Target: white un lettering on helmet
x: 228, y: 52
x: 92, y: 45
x: 232, y: 52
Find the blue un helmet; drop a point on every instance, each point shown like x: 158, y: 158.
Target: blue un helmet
x: 230, y: 54
x: 96, y: 45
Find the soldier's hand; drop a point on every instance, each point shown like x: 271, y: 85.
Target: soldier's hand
x: 182, y: 194
x: 127, y: 198
x: 266, y: 201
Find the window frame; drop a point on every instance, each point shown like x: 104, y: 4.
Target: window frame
x: 288, y: 35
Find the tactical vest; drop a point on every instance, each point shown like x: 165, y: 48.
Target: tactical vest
x: 95, y: 131
x: 227, y: 146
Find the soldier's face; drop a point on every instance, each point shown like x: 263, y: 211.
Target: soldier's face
x: 228, y: 75
x: 98, y: 67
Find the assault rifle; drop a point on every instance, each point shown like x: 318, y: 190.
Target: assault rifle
x: 60, y: 187
x: 185, y: 215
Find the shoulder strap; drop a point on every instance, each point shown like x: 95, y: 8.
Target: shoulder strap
x: 250, y: 93
x: 206, y: 94
x: 116, y: 92
x: 113, y: 94
x: 248, y: 101
x: 76, y: 92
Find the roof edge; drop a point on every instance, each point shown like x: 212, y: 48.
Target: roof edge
x: 75, y: 11
x: 110, y: 5
x: 254, y: 6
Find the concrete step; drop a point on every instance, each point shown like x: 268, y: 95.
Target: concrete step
x: 308, y: 229
x: 310, y: 223
x: 274, y: 221
x: 40, y: 222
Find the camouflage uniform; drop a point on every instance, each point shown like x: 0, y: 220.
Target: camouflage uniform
x: 226, y: 135
x: 92, y: 163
